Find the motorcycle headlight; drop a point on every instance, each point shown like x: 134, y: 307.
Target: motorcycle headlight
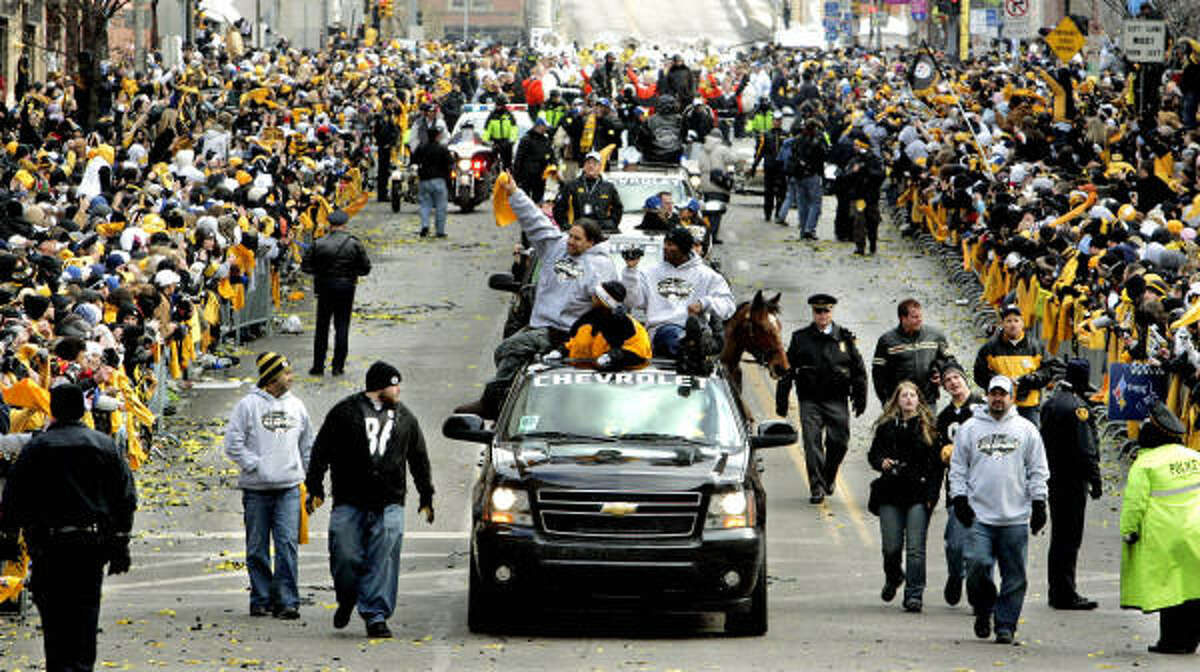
x: 509, y: 506
x: 464, y: 164
x: 730, y: 509
x: 694, y: 180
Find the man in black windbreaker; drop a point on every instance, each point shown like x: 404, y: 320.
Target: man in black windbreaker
x: 366, y: 442
x: 826, y: 369
x: 1070, y: 440
x: 336, y: 261
x: 534, y: 153
x: 386, y: 135
x: 72, y: 495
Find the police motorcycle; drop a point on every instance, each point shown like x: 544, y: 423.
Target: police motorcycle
x: 402, y: 183
x: 474, y: 170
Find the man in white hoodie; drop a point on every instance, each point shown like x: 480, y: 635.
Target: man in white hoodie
x: 998, y: 475
x: 270, y: 437
x: 675, y: 292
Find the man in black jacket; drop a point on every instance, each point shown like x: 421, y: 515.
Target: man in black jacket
x: 433, y: 161
x: 1070, y: 440
x: 774, y: 180
x: 534, y: 153
x: 865, y: 173
x: 959, y: 410
x: 590, y: 196
x: 386, y: 134
x: 336, y: 261
x: 911, y: 351
x: 366, y: 442
x: 826, y: 369
x: 71, y: 493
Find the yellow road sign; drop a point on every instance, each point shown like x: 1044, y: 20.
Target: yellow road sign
x: 1065, y: 39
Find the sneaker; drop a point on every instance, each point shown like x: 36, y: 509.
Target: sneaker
x: 1003, y: 637
x: 440, y: 235
x: 316, y: 371
x: 288, y: 614
x: 889, y: 591
x: 953, y: 590
x: 424, y: 233
x: 379, y: 630
x: 1170, y: 650
x: 983, y: 624
x: 912, y: 606
x: 337, y: 372
x: 341, y: 617
x: 259, y: 612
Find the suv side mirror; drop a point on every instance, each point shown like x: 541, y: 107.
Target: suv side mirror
x: 468, y: 427
x: 772, y: 433
x: 503, y: 282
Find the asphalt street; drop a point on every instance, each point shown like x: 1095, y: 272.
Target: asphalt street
x: 426, y: 309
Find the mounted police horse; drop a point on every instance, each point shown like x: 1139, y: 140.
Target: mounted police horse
x: 755, y: 328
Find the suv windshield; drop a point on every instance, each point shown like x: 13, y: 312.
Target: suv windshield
x: 634, y: 407
x: 635, y: 190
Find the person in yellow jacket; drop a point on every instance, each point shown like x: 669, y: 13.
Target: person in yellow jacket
x: 1017, y: 354
x: 606, y: 334
x: 1160, y: 524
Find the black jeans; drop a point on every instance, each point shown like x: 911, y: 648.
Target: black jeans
x: 385, y: 172
x: 66, y: 589
x: 774, y: 191
x: 1067, y: 505
x: 335, y: 303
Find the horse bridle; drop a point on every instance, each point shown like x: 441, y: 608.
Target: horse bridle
x: 761, y: 357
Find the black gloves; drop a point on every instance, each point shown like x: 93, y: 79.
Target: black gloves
x: 1038, y: 519
x: 1096, y: 490
x: 860, y: 406
x: 118, y: 556
x: 963, y: 511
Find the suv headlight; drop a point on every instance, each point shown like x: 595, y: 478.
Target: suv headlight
x: 729, y: 509
x: 509, y: 506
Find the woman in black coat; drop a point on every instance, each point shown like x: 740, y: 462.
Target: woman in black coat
x: 907, y: 491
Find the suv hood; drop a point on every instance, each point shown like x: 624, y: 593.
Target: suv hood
x: 621, y: 472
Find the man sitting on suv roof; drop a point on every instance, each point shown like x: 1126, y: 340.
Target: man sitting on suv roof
x: 606, y: 334
x: 678, y: 294
x: 573, y: 263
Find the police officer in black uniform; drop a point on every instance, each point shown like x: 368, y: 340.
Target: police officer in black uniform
x: 71, y: 494
x: 589, y: 196
x: 1070, y: 440
x: 826, y: 369
x: 336, y: 261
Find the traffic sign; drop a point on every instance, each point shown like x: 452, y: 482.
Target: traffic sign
x: 1065, y: 39
x: 1144, y: 41
x: 1018, y: 19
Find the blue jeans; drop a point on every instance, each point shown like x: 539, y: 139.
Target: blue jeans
x: 272, y: 515
x: 364, y: 558
x: 791, y: 200
x: 904, y: 528
x: 956, y: 541
x: 433, y: 194
x: 811, y: 191
x: 988, y: 546
x: 667, y: 339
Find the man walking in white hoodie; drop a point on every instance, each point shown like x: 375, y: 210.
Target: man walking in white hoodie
x: 998, y: 475
x: 270, y: 437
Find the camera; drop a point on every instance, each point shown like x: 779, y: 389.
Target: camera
x: 631, y: 253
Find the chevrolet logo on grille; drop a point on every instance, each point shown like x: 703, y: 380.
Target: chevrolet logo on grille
x: 619, y: 508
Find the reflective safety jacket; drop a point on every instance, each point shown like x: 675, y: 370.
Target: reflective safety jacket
x: 500, y: 126
x: 1025, y: 362
x: 1162, y: 505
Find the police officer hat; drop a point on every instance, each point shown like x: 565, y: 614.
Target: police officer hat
x: 1010, y: 309
x: 1078, y: 372
x: 822, y: 301
x: 338, y: 218
x: 1162, y: 419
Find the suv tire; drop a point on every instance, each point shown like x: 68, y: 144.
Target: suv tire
x: 753, y: 622
x: 481, y: 604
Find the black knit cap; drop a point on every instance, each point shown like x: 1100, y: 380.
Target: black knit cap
x: 35, y: 305
x: 66, y: 402
x: 381, y: 375
x: 682, y: 238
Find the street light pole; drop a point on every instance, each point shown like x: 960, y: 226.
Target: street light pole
x: 466, y: 18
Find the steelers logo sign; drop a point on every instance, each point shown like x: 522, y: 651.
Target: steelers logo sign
x: 924, y: 70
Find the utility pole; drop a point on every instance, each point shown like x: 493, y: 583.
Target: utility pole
x: 466, y: 19
x: 139, y: 40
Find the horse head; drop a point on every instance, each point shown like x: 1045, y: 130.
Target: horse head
x: 756, y: 328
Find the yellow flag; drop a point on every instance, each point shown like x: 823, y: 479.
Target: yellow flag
x: 604, y: 154
x: 501, y: 210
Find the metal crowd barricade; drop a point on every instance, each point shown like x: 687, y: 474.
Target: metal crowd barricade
x: 158, y: 401
x: 259, y: 307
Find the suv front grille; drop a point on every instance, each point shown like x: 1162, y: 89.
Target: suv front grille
x: 617, y: 513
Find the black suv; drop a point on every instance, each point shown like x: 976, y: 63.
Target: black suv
x: 635, y: 489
